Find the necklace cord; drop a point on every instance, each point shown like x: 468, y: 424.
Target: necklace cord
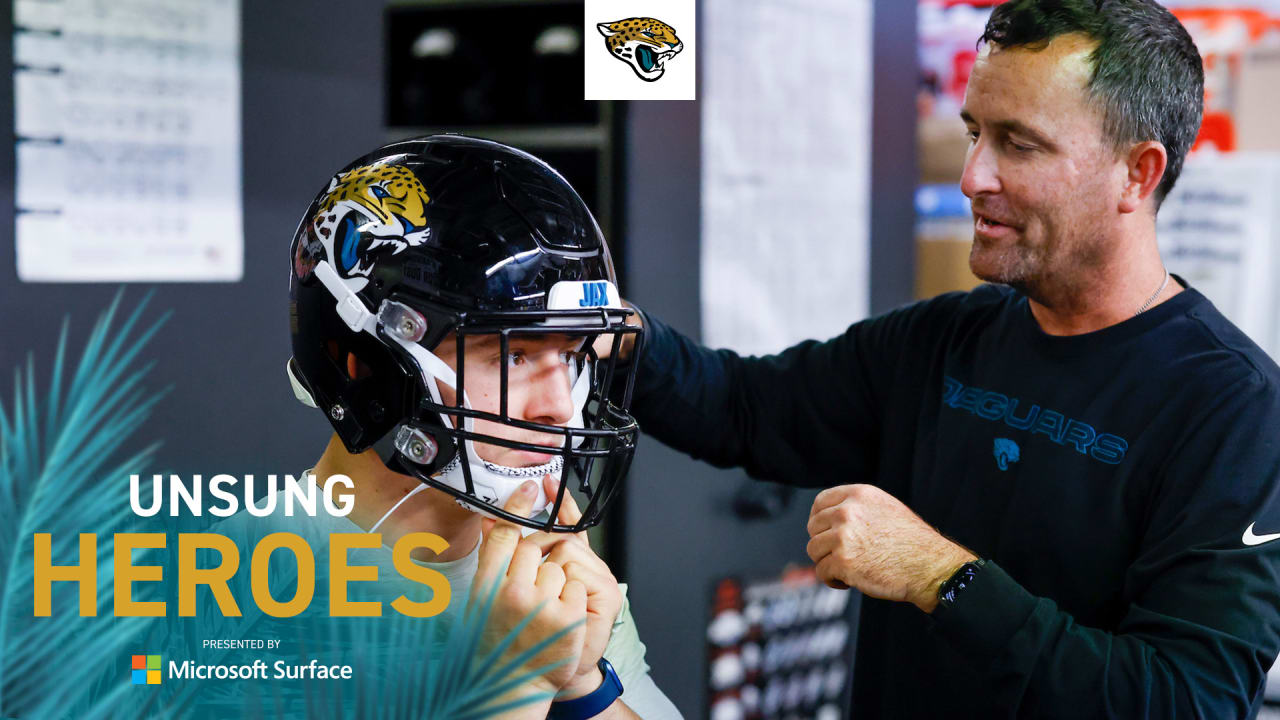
x: 1154, y: 295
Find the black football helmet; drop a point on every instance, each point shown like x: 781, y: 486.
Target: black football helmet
x: 454, y: 236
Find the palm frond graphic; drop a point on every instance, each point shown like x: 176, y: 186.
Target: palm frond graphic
x: 437, y: 668
x: 61, y: 473
x: 407, y: 668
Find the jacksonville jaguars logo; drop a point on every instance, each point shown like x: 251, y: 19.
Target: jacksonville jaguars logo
x: 367, y: 212
x: 643, y: 43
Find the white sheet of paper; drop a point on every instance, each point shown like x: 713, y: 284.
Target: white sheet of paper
x: 1220, y: 231
x: 785, y: 171
x: 127, y: 117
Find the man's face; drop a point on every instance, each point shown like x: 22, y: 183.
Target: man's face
x: 539, y: 374
x: 1042, y: 178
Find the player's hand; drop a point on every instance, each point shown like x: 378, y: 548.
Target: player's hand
x: 865, y: 538
x: 573, y: 552
x: 526, y: 585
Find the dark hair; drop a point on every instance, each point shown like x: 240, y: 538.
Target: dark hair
x: 1148, y: 78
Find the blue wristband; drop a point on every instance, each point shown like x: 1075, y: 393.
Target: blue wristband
x: 594, y: 702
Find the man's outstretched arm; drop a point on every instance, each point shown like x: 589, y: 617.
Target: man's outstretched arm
x: 809, y: 415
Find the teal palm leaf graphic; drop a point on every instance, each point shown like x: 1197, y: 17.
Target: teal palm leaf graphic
x: 451, y: 676
x: 61, y: 470
x: 64, y: 468
x: 436, y: 668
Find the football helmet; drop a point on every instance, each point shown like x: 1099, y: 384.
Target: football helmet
x: 450, y: 236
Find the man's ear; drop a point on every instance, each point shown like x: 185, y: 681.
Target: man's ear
x: 1145, y: 165
x: 605, y: 30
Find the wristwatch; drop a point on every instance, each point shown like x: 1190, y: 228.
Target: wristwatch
x: 959, y: 580
x: 594, y: 702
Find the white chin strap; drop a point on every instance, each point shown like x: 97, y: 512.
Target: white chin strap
x: 485, y: 477
x: 494, y: 483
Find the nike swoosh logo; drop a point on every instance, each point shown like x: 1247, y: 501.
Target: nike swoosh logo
x: 1251, y: 539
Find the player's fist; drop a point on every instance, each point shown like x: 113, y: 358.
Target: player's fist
x: 573, y: 552
x: 528, y: 586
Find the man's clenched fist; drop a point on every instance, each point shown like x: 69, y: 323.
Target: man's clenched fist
x: 865, y: 538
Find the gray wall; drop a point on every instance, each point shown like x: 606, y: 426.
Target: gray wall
x: 312, y: 98
x: 681, y: 534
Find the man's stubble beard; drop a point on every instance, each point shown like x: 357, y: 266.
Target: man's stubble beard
x: 1015, y: 266
x: 1054, y: 274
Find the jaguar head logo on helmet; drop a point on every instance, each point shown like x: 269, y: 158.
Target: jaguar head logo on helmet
x: 367, y: 211
x: 445, y: 296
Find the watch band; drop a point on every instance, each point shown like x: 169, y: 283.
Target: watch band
x: 959, y: 580
x: 594, y: 702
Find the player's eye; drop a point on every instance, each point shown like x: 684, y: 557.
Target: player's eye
x: 573, y: 358
x: 515, y: 357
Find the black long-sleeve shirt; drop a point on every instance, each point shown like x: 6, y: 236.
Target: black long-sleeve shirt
x: 1112, y: 480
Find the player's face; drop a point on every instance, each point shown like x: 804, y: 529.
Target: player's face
x: 1041, y: 175
x: 540, y: 370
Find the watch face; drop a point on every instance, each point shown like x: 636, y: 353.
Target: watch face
x: 952, y: 588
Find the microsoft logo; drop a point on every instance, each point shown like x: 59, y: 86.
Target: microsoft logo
x: 146, y: 669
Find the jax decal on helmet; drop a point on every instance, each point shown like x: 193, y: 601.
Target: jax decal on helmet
x: 454, y: 237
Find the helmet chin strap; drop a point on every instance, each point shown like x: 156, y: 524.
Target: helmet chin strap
x: 487, y: 475
x: 495, y: 483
